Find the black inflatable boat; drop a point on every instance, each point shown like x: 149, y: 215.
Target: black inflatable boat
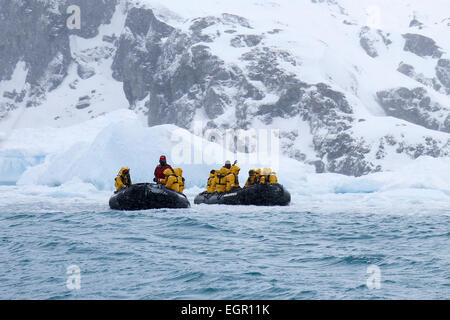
x: 259, y: 195
x: 143, y: 196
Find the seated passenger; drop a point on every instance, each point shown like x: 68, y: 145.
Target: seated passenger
x: 258, y: 175
x: 171, y: 180
x: 251, y: 178
x: 159, y: 170
x: 221, y: 179
x: 227, y: 164
x: 179, y: 173
x: 123, y: 179
x: 268, y: 177
x: 233, y: 178
x: 211, y: 185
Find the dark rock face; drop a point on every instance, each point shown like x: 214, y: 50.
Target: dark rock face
x: 263, y: 64
x: 246, y: 41
x: 83, y: 102
x: 421, y: 45
x: 406, y: 69
x: 138, y: 51
x: 416, y: 23
x: 352, y: 154
x: 409, y: 71
x: 93, y: 14
x: 179, y: 74
x: 428, y: 147
x: 414, y: 106
x: 367, y: 43
x: 319, y: 165
x: 39, y: 42
x: 443, y: 73
x: 213, y: 104
x: 85, y: 72
x: 324, y: 109
x: 197, y: 80
x: 370, y: 39
x: 344, y: 152
x: 36, y: 33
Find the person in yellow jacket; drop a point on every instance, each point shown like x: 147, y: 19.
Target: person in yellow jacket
x: 179, y: 173
x: 258, y: 175
x: 233, y: 178
x: 252, y: 178
x: 268, y: 177
x: 221, y: 179
x: 171, y: 180
x: 123, y: 179
x: 211, y: 185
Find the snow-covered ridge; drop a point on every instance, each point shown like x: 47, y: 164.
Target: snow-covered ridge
x: 356, y: 87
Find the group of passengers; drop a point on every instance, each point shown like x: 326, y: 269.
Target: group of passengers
x: 227, y: 178
x: 224, y: 180
x: 164, y: 175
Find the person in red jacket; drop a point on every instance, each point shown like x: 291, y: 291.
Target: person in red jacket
x: 159, y: 170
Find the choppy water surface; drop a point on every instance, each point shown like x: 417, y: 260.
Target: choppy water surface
x: 222, y: 252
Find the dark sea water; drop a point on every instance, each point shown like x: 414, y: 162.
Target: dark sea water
x: 221, y: 252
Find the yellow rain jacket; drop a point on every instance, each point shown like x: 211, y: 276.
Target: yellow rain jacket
x: 258, y: 175
x: 252, y: 179
x: 171, y: 180
x: 179, y: 173
x: 211, y: 186
x: 123, y: 180
x: 268, y: 177
x: 233, y: 178
x: 221, y: 179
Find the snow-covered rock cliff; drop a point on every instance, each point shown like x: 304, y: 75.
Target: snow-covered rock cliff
x: 353, y: 86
